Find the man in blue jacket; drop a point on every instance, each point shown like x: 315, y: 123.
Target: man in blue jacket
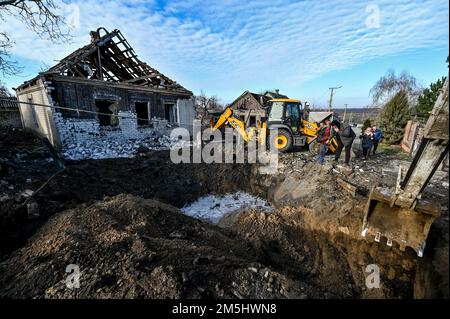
x: 377, y: 136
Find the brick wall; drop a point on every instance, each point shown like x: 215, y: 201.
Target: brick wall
x: 76, y: 131
x: 85, y: 138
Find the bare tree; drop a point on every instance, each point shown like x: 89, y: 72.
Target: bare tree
x: 204, y: 105
x: 390, y: 84
x: 40, y: 16
x: 4, y: 92
x: 7, y: 66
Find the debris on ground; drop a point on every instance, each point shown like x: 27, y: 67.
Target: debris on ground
x: 101, y: 149
x: 120, y: 221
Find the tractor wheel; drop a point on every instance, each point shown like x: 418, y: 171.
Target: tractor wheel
x: 314, y: 147
x: 281, y: 141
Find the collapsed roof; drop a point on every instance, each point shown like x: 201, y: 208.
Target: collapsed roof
x: 111, y: 58
x: 258, y: 97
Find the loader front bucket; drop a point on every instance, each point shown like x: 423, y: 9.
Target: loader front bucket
x: 407, y: 227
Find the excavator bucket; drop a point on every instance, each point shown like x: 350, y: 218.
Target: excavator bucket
x: 402, y: 215
x: 405, y: 226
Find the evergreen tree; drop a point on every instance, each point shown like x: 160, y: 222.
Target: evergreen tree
x: 426, y: 100
x: 394, y: 116
x: 367, y: 123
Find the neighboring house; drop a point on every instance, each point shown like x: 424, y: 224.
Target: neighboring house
x: 102, y: 90
x: 250, y: 107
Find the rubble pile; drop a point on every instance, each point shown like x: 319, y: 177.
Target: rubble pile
x: 108, y: 148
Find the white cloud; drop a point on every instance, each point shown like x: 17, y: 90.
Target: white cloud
x: 232, y: 45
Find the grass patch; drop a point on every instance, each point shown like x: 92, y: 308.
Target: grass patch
x: 395, y: 150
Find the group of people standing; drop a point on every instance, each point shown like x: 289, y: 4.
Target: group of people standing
x: 370, y: 139
x: 345, y: 136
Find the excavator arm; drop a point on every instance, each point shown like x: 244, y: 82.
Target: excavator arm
x: 227, y: 118
x: 223, y: 118
x: 402, y: 215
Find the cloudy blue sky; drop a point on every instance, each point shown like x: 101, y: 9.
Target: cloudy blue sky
x: 227, y: 46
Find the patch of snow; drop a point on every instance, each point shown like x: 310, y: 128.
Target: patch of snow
x: 212, y: 208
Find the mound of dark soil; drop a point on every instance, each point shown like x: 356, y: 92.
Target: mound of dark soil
x: 129, y: 247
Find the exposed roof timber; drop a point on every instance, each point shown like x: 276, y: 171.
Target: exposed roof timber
x: 145, y: 77
x: 119, y: 63
x: 96, y: 82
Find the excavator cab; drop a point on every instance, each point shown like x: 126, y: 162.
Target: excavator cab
x: 285, y: 115
x: 401, y: 214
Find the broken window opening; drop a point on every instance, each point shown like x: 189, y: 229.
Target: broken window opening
x: 169, y: 112
x: 252, y: 120
x: 109, y: 111
x: 142, y: 113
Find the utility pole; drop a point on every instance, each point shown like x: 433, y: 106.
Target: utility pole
x: 345, y: 112
x: 330, y: 104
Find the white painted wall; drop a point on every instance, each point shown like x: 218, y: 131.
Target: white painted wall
x: 37, y: 118
x: 186, y: 113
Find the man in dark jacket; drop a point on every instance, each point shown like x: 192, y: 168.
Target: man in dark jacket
x: 344, y: 137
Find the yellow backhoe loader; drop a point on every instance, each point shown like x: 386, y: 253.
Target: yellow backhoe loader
x: 401, y: 215
x: 287, y: 117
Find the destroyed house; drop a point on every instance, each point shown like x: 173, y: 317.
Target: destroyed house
x: 102, y: 91
x: 250, y: 107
